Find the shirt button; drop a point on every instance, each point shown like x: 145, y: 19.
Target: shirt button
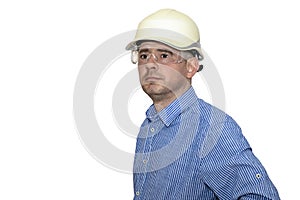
x: 145, y: 161
x: 152, y: 129
x: 258, y: 175
x: 137, y: 193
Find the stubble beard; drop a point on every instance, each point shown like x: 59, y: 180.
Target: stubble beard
x: 157, y: 92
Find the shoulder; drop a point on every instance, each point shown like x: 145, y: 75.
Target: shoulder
x: 211, y: 115
x: 221, y: 134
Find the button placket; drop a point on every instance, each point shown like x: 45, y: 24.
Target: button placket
x: 145, y: 157
x: 147, y: 152
x: 151, y: 130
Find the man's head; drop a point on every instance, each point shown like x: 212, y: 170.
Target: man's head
x: 167, y: 50
x: 165, y: 71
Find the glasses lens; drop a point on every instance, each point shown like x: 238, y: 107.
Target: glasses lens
x: 159, y: 56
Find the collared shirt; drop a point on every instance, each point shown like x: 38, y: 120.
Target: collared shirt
x: 191, y: 150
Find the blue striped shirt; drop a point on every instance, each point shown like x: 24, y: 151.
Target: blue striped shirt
x: 192, y: 150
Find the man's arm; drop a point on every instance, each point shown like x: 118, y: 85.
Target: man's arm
x: 232, y: 171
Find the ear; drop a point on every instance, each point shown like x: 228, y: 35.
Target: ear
x: 192, y: 67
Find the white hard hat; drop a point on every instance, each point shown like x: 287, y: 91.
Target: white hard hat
x: 170, y: 27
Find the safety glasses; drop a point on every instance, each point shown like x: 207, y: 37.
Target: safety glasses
x: 161, y: 56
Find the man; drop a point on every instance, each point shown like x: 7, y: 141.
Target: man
x: 186, y: 148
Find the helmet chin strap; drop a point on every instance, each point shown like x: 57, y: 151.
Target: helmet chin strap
x: 200, y: 68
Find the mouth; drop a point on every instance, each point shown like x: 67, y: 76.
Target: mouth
x: 152, y: 79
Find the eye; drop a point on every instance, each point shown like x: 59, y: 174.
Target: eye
x: 143, y: 56
x: 164, y: 55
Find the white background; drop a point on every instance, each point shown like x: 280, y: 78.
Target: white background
x: 254, y: 45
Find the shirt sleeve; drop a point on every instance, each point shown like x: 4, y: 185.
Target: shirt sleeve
x: 232, y: 171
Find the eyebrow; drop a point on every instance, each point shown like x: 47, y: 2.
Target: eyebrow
x: 160, y: 50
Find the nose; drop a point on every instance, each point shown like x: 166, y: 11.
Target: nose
x: 152, y: 62
x: 152, y: 58
x: 151, y: 66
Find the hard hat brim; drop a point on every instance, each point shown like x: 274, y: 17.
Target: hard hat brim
x: 195, y: 46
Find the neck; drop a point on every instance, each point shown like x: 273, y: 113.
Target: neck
x: 160, y: 104
x: 161, y: 101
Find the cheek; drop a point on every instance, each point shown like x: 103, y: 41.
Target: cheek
x: 141, y: 70
x: 178, y: 73
x: 174, y: 79
x: 142, y: 73
x: 182, y: 70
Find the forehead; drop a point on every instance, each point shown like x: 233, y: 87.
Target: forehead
x: 156, y: 45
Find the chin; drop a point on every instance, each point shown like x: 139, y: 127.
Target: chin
x: 155, y: 89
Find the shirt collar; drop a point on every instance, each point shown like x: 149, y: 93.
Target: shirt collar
x: 168, y: 114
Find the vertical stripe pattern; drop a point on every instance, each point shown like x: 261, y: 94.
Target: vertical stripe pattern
x: 192, y: 150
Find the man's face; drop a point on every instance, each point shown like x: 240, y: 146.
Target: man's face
x: 162, y: 70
